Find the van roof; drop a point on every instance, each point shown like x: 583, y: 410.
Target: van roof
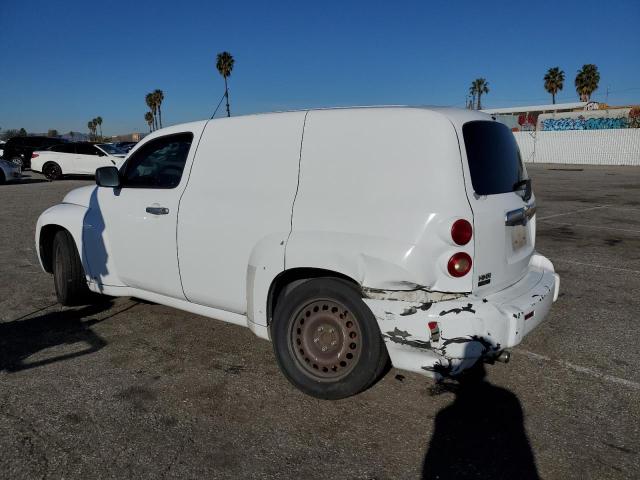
x: 455, y: 115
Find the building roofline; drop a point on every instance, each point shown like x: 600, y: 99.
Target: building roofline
x: 536, y: 108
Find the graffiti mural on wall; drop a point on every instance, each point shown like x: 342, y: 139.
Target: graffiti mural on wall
x: 583, y: 123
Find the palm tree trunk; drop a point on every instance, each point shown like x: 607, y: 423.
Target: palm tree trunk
x: 226, y: 94
x: 553, y: 98
x: 479, y: 104
x: 160, y: 115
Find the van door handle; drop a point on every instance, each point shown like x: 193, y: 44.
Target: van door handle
x: 157, y: 210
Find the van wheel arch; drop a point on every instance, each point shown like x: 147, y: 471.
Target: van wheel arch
x: 293, y: 277
x: 47, y: 234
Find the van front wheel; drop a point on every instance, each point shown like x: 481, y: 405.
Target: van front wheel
x: 68, y: 274
x: 326, y: 340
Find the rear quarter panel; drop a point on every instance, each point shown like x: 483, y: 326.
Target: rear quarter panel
x: 379, y: 190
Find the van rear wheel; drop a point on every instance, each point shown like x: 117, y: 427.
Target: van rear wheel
x: 326, y: 340
x: 68, y: 274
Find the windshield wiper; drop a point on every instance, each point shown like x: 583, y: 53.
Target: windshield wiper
x: 526, y: 183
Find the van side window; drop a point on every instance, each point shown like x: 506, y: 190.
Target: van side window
x: 159, y: 163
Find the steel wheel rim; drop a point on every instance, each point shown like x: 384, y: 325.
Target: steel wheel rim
x: 325, y: 338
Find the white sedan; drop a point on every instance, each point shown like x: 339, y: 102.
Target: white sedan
x: 75, y: 158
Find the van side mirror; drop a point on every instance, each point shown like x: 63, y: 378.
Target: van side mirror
x: 108, y: 177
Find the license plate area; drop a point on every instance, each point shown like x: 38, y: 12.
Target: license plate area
x: 519, y: 237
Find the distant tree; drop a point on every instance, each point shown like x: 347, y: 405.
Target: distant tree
x: 479, y: 87
x: 554, y: 82
x: 7, y: 134
x: 52, y: 132
x: 587, y: 80
x: 158, y: 95
x: 93, y: 126
x: 99, y: 124
x: 71, y: 134
x: 148, y: 117
x: 472, y: 94
x: 22, y: 132
x: 224, y: 64
x: 150, y: 100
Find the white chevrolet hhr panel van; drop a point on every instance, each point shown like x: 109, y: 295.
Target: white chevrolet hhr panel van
x: 347, y: 237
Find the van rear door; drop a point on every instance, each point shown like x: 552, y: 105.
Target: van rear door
x: 502, y: 203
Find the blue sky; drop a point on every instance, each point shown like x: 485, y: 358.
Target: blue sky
x: 63, y: 63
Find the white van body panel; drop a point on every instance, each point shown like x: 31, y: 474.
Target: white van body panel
x: 379, y: 191
x: 236, y: 213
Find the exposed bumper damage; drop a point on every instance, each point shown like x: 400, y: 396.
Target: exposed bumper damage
x: 439, y: 334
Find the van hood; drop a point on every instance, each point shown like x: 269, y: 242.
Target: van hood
x: 80, y: 196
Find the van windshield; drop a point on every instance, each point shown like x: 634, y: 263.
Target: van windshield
x: 493, y: 156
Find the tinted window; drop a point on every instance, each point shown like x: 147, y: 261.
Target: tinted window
x: 86, y: 149
x: 63, y: 148
x: 493, y: 156
x: 159, y: 163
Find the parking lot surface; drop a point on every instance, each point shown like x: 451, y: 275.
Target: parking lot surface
x: 123, y: 388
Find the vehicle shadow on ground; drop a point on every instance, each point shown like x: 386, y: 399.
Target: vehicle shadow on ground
x: 480, y: 435
x: 68, y: 330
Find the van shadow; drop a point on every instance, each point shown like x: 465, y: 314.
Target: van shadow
x: 68, y: 330
x: 480, y: 435
x: 94, y: 251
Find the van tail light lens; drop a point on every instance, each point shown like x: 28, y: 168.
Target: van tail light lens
x: 461, y: 232
x: 459, y: 264
x: 34, y: 155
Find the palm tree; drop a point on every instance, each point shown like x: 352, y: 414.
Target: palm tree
x: 554, y: 81
x: 148, y: 117
x: 478, y: 87
x: 99, y: 124
x: 587, y: 80
x: 159, y: 97
x: 151, y: 103
x: 92, y: 127
x: 224, y: 64
x: 472, y: 92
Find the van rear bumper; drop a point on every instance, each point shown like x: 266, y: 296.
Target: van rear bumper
x: 444, y: 338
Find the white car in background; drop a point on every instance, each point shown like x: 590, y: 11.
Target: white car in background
x: 75, y: 158
x: 9, y: 171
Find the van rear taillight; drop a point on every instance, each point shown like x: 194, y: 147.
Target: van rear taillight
x: 34, y: 155
x: 459, y: 264
x: 461, y: 232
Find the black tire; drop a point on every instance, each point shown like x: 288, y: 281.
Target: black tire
x: 2, y: 177
x: 338, y: 351
x: 68, y: 274
x: 52, y: 171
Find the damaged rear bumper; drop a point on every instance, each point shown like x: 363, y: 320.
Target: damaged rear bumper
x: 443, y: 338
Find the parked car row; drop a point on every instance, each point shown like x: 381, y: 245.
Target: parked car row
x: 19, y: 149
x: 55, y: 157
x: 75, y: 158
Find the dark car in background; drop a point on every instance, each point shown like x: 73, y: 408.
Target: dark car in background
x: 19, y: 149
x: 126, y: 146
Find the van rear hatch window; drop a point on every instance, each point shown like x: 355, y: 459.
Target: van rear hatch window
x: 493, y: 156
